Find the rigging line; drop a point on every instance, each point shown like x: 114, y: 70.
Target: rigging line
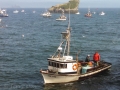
x: 57, y: 49
x: 65, y: 49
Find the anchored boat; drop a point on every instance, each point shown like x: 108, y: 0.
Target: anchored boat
x: 102, y: 13
x: 47, y: 14
x: 62, y: 17
x: 62, y: 68
x: 3, y: 13
x: 88, y: 14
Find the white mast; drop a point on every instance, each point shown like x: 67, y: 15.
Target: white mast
x: 68, y: 31
x: 66, y: 38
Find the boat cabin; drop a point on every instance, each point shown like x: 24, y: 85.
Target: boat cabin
x: 62, y: 65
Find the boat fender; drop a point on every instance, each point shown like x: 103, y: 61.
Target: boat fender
x: 75, y: 67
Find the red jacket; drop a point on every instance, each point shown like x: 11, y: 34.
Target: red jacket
x: 96, y: 57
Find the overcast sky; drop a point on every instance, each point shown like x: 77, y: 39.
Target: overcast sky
x: 49, y: 3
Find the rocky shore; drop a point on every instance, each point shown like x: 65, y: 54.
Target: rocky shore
x: 71, y: 6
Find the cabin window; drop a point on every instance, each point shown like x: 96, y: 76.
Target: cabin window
x: 50, y: 63
x: 63, y: 65
x: 57, y: 65
x: 53, y: 64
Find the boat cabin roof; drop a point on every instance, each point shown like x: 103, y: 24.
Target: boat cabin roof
x: 61, y: 60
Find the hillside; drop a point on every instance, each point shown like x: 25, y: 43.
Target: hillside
x: 72, y: 5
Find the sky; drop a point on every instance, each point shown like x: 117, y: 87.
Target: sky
x: 49, y: 3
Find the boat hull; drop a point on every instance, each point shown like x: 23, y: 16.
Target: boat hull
x: 88, y: 15
x: 46, y: 15
x: 64, y: 78
x: 3, y: 15
x: 59, y: 78
x: 60, y: 19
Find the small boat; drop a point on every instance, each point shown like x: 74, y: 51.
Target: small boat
x: 16, y: 11
x: 46, y: 14
x: 62, y: 17
x: 3, y: 13
x: 63, y: 68
x: 0, y: 20
x: 102, y: 13
x: 22, y: 10
x: 88, y: 14
x: 77, y: 13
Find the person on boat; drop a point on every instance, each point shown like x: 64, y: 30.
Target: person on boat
x: 88, y: 61
x: 87, y: 58
x: 96, y: 58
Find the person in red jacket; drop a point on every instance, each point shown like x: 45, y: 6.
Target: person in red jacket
x: 96, y: 58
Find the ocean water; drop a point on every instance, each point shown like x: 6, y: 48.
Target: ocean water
x: 28, y: 39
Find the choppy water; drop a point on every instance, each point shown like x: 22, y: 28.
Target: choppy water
x: 27, y: 40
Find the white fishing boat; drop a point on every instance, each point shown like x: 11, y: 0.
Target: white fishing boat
x: 16, y: 11
x: 46, y: 14
x: 77, y: 13
x: 22, y: 10
x: 62, y: 17
x: 63, y: 68
x: 102, y: 13
x: 3, y: 13
x: 88, y: 14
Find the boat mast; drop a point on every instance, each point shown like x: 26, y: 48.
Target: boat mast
x: 68, y: 31
x: 66, y: 36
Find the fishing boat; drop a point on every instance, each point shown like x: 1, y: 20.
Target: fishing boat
x: 88, y: 14
x: 3, y: 13
x: 46, y: 14
x: 0, y: 20
x: 16, y: 11
x: 22, y: 10
x: 63, y: 68
x: 77, y: 13
x: 62, y: 17
x: 102, y: 13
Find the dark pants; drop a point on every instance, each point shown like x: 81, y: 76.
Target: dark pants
x: 95, y: 63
